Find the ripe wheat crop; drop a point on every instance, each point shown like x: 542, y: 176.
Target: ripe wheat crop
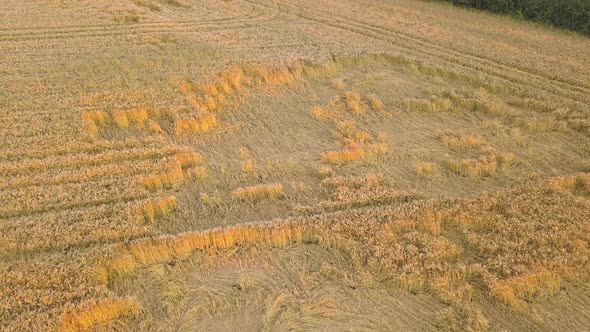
x: 379, y: 165
x: 259, y: 192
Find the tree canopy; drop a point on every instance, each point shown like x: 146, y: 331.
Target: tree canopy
x: 568, y: 14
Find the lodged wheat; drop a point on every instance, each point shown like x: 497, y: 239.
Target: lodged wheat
x: 201, y: 124
x: 120, y: 118
x: 259, y: 192
x: 462, y: 142
x: 425, y: 168
x: 168, y: 248
x: 426, y: 105
x: 180, y: 167
x: 99, y: 313
x: 344, y: 156
x: 376, y: 103
x: 319, y: 113
x: 94, y: 120
x: 155, y: 209
x: 209, y: 89
x: 353, y: 102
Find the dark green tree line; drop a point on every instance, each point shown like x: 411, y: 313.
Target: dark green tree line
x: 568, y: 14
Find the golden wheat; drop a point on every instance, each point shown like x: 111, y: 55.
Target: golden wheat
x: 100, y: 313
x: 163, y: 250
x: 94, y: 120
x: 201, y: 124
x: 578, y: 184
x: 156, y: 209
x: 319, y: 113
x: 516, y: 247
x: 425, y: 168
x: 177, y: 170
x: 339, y: 84
x: 426, y: 105
x: 344, y: 156
x: 462, y: 141
x: 354, y: 103
x: 259, y: 192
x: 120, y: 118
x: 376, y: 103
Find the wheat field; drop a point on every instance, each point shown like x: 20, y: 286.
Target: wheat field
x: 273, y: 165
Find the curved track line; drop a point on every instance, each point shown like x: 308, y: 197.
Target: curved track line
x: 29, y: 31
x: 8, y: 215
x: 139, y: 28
x: 131, y: 171
x: 90, y: 160
x: 399, y: 41
x: 584, y: 88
